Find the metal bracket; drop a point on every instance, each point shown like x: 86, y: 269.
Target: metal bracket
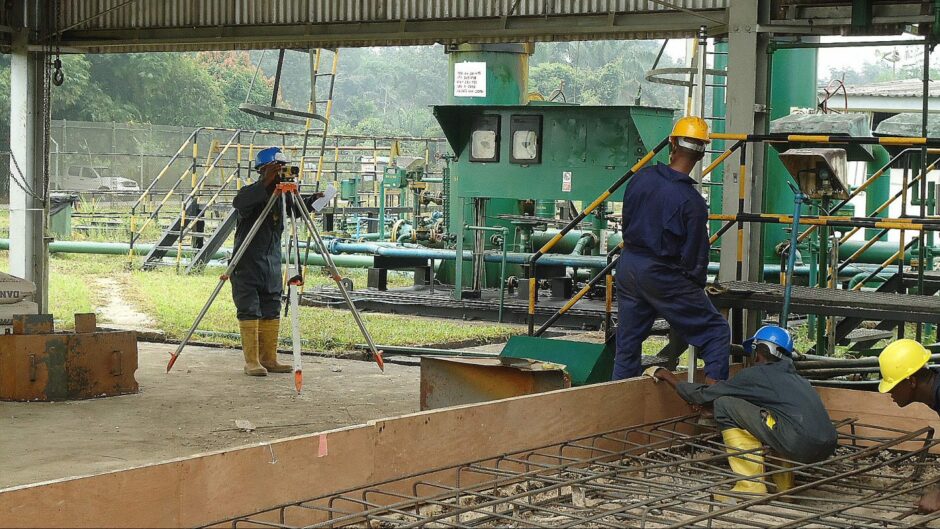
x: 32, y: 367
x: 117, y: 364
x: 280, y: 114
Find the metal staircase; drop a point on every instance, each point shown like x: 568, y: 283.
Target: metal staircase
x: 312, y: 128
x: 205, y: 218
x: 201, y: 211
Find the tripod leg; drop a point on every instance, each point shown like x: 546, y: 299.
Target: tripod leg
x: 223, y: 278
x: 294, y: 282
x: 334, y: 273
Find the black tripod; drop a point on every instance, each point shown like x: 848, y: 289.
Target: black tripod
x: 286, y: 192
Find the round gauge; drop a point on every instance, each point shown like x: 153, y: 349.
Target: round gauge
x: 483, y: 145
x: 525, y: 145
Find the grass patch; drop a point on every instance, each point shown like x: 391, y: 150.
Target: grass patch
x: 4, y: 222
x: 174, y: 301
x: 69, y: 290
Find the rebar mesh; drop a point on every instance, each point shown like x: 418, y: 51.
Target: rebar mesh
x: 672, y: 473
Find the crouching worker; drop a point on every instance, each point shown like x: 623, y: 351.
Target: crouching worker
x: 905, y: 375
x: 767, y: 404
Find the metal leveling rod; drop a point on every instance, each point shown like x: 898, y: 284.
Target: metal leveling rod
x: 294, y: 280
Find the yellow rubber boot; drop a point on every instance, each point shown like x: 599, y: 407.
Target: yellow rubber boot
x: 784, y: 480
x: 267, y: 341
x: 249, y: 330
x: 737, y: 439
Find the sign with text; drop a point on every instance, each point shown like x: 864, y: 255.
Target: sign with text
x: 566, y: 181
x: 470, y: 79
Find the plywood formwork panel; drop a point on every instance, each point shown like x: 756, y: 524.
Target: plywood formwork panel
x: 205, y: 489
x: 877, y: 408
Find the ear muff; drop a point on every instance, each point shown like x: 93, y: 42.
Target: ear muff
x: 769, y: 349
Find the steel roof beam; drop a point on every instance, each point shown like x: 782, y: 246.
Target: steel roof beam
x: 411, y: 32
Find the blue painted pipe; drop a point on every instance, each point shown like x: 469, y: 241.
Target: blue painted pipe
x: 577, y: 261
x: 336, y: 246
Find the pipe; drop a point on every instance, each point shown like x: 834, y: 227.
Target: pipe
x: 878, y: 253
x: 119, y: 248
x: 338, y: 247
x: 585, y: 244
x: 815, y: 362
x: 881, y: 277
x: 566, y: 244
x: 848, y: 384
x: 880, y: 190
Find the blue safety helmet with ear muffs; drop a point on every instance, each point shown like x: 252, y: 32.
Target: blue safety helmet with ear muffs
x: 778, y: 340
x: 270, y: 155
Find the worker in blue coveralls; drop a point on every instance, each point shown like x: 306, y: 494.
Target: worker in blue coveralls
x: 662, y: 268
x: 256, y: 281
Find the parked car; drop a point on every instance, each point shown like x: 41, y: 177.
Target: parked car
x: 86, y: 178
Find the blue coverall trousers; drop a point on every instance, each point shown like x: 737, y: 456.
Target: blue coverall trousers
x: 647, y: 287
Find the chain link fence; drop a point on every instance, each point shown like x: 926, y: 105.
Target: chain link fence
x: 121, y: 160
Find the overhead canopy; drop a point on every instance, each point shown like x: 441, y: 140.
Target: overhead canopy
x: 855, y: 125
x: 910, y: 125
x: 121, y: 26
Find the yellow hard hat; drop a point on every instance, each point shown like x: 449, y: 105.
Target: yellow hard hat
x: 900, y: 360
x: 691, y: 127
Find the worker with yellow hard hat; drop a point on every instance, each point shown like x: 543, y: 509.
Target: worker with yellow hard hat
x: 905, y: 375
x: 663, y: 266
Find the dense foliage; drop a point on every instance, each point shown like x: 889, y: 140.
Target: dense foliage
x: 378, y: 90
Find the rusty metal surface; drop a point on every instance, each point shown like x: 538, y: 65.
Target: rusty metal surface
x: 48, y: 367
x: 453, y: 381
x: 33, y: 324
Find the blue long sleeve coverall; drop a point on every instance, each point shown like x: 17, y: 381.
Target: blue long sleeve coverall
x: 256, y: 281
x: 662, y: 270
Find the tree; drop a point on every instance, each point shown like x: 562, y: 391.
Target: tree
x: 233, y: 72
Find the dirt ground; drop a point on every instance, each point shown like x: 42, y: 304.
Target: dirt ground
x: 193, y: 410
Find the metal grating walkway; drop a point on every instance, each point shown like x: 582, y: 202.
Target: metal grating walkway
x: 664, y: 474
x: 878, y: 306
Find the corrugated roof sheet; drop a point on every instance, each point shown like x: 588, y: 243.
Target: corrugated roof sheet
x: 120, y: 14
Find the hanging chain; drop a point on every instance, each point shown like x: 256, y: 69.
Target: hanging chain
x: 57, y: 76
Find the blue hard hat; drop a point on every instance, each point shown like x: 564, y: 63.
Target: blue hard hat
x: 270, y: 155
x: 779, y: 338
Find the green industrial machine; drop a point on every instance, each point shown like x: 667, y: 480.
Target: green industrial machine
x: 515, y: 162
x: 515, y: 158
x: 526, y: 157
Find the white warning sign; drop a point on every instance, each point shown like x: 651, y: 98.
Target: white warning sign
x: 470, y: 79
x: 566, y: 182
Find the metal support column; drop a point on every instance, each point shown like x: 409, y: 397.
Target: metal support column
x: 746, y: 113
x: 28, y: 257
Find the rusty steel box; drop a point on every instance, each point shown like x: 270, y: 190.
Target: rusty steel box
x: 38, y: 364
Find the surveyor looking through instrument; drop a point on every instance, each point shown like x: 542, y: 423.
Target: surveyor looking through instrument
x: 256, y: 280
x: 662, y: 268
x: 767, y: 404
x: 905, y: 375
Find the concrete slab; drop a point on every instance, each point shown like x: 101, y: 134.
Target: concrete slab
x: 193, y: 410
